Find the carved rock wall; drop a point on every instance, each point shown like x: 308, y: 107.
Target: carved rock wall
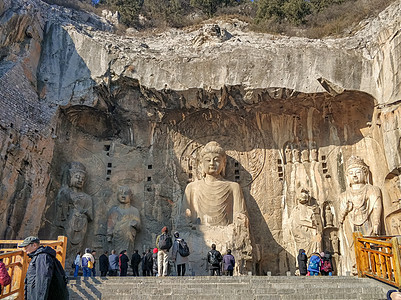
x: 135, y: 110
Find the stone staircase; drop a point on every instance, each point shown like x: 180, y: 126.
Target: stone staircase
x: 241, y: 287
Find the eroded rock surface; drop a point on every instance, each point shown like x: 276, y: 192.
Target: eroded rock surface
x: 136, y: 109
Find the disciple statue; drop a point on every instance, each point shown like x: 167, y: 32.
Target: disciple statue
x: 288, y: 154
x: 304, y: 153
x: 212, y: 200
x: 314, y: 153
x: 75, y: 207
x: 306, y: 224
x: 360, y: 209
x: 296, y: 154
x: 123, y: 222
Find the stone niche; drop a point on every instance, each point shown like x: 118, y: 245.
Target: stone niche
x: 277, y: 141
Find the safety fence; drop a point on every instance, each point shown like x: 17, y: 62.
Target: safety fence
x: 17, y: 262
x: 379, y: 258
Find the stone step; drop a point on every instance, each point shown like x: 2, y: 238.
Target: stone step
x: 241, y: 287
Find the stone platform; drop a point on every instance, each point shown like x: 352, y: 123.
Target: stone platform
x: 242, y: 287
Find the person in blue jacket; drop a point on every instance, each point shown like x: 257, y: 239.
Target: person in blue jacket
x: 314, y: 264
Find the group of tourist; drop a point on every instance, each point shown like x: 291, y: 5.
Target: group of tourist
x: 319, y: 263
x: 155, y: 262
x: 46, y: 279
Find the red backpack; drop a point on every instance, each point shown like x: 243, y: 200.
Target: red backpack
x: 5, y: 279
x: 326, y: 266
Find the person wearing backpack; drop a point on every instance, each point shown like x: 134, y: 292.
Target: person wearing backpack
x: 228, y: 263
x: 314, y: 264
x: 163, y: 244
x: 326, y: 268
x: 45, y: 278
x: 87, y: 262
x: 214, y: 259
x: 179, y: 254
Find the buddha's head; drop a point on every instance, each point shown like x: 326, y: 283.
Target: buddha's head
x: 357, y: 171
x: 77, y: 174
x: 124, y: 194
x: 213, y: 159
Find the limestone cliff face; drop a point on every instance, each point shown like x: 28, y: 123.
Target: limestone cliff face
x: 136, y: 109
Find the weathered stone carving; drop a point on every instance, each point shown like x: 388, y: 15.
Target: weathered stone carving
x: 75, y: 207
x: 328, y: 217
x: 214, y: 202
x: 314, y: 153
x: 360, y: 209
x: 123, y: 222
x: 304, y: 153
x: 288, y: 154
x: 306, y: 228
x: 296, y: 154
x: 393, y: 212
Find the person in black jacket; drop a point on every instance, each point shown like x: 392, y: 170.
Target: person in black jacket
x: 214, y: 259
x: 38, y: 280
x: 149, y: 262
x: 144, y: 267
x: 135, y: 260
x: 104, y: 264
x: 123, y: 261
x: 302, y: 262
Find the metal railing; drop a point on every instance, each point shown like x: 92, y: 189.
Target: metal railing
x: 379, y: 258
x: 17, y: 262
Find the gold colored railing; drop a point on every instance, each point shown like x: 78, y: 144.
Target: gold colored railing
x: 17, y: 262
x: 379, y: 258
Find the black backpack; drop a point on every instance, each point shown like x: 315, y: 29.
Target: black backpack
x: 214, y: 258
x: 58, y: 285
x: 165, y: 242
x: 183, y: 248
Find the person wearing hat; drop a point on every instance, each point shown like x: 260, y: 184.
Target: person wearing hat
x: 38, y: 280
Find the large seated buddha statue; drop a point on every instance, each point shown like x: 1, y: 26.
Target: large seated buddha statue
x: 216, y: 208
x: 213, y: 200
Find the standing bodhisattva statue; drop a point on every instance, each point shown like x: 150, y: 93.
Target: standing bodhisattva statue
x: 75, y: 207
x: 360, y: 209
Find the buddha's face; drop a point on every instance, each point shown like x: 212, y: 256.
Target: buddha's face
x: 212, y: 163
x: 124, y: 196
x: 356, y: 175
x: 78, y: 179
